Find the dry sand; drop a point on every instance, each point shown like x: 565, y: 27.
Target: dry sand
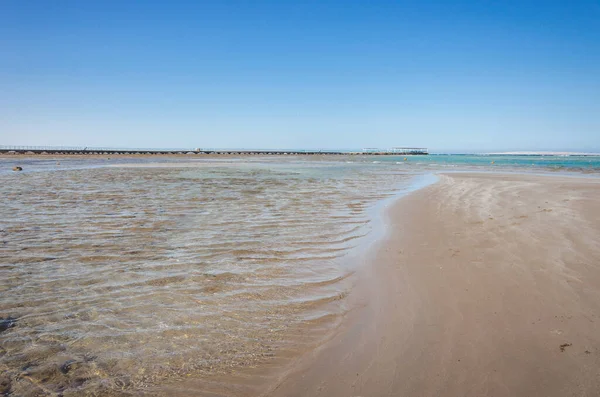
x: 487, y: 285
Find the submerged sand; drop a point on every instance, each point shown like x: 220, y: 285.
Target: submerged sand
x: 487, y: 285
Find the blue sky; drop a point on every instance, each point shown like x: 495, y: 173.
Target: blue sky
x: 464, y: 75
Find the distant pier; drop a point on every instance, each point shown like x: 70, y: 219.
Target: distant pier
x: 399, y: 151
x: 71, y: 150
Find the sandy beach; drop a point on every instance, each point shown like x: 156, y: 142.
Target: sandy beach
x: 486, y: 285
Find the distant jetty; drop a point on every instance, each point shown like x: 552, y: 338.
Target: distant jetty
x: 69, y: 150
x: 401, y: 151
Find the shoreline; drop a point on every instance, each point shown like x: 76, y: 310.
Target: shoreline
x: 502, y: 303
x: 313, y: 336
x: 417, y: 294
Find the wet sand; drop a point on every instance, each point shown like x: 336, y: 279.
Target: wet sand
x: 486, y: 285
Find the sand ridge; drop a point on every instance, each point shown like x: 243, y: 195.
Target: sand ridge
x: 488, y: 285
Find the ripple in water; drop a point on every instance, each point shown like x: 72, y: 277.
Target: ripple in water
x: 114, y: 280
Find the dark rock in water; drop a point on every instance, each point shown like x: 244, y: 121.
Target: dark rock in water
x: 17, y: 168
x: 6, y: 323
x: 5, y: 385
x: 68, y: 365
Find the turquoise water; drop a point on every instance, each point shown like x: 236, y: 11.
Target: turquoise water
x: 433, y: 162
x: 532, y: 162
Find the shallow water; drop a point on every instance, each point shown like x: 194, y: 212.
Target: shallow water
x: 114, y: 280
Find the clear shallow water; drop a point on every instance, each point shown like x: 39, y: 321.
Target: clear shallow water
x: 433, y: 162
x: 116, y: 279
x: 520, y: 163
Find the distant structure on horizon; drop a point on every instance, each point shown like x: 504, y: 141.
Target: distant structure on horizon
x: 76, y: 150
x: 397, y: 150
